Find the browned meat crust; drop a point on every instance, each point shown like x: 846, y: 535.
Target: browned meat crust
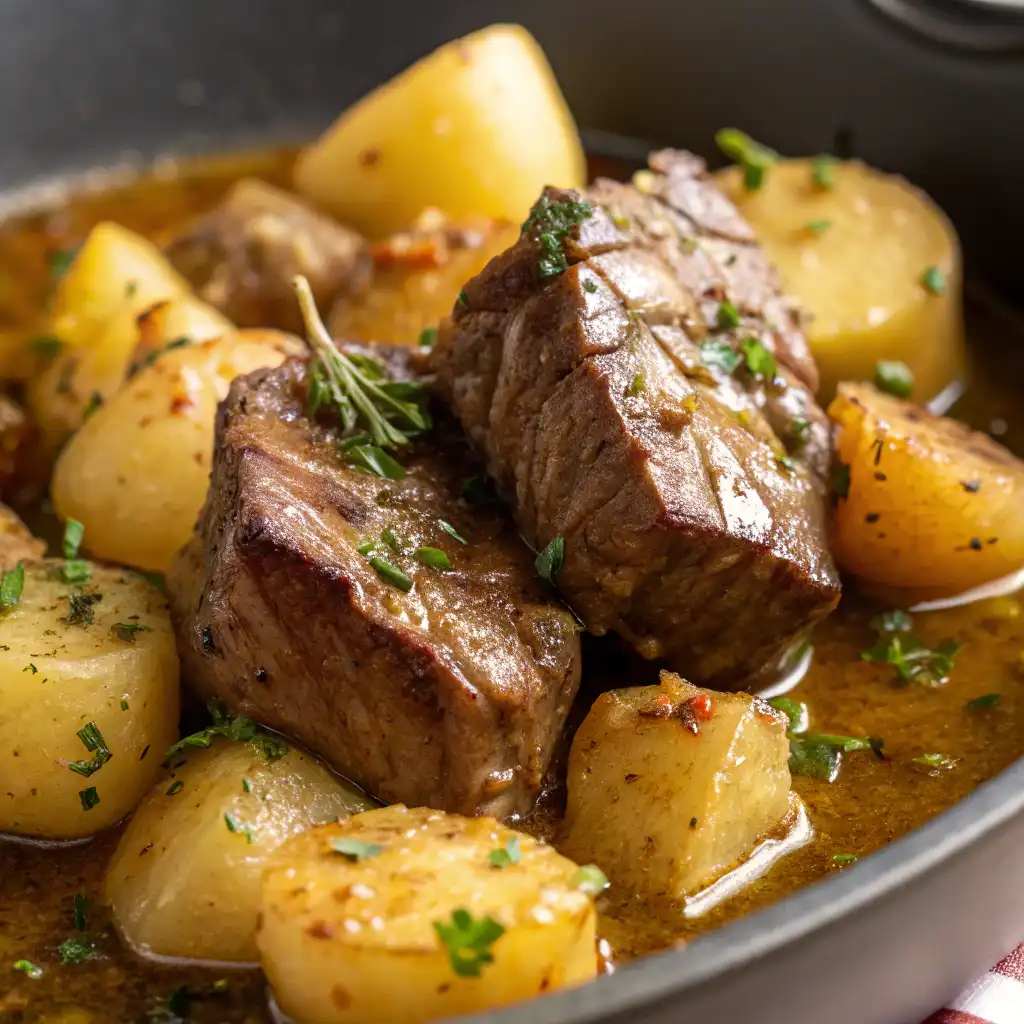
x: 452, y: 695
x: 690, y: 498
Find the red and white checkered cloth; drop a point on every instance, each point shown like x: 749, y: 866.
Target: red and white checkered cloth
x: 997, y: 998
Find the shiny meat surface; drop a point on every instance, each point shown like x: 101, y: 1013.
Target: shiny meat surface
x: 451, y: 695
x: 689, y: 493
x: 242, y: 255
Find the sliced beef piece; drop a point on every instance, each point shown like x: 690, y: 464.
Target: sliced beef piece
x: 680, y: 455
x: 450, y: 695
x: 242, y: 255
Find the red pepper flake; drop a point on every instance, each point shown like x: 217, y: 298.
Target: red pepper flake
x: 701, y: 706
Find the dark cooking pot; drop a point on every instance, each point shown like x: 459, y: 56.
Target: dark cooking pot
x: 931, y: 88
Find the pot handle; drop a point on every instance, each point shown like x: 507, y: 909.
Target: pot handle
x: 978, y: 26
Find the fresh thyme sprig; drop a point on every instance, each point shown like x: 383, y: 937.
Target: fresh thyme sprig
x: 356, y: 387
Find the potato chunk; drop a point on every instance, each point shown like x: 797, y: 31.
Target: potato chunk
x: 930, y: 506
x: 353, y: 916
x: 137, y: 472
x: 16, y: 541
x: 855, y: 254
x: 99, y: 654
x: 185, y: 880
x: 670, y: 785
x: 478, y: 127
x: 116, y: 276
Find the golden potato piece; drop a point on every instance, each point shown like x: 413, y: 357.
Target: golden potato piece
x: 136, y: 474
x: 419, y: 274
x: 476, y: 128
x: 671, y: 785
x: 16, y: 542
x: 349, y: 908
x: 856, y: 255
x: 103, y: 655
x: 185, y: 879
x: 930, y: 506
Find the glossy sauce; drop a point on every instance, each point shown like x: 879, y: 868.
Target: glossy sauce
x: 872, y: 802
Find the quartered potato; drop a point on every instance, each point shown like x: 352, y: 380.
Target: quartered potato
x: 411, y: 915
x: 478, y: 127
x: 115, y: 277
x: 185, y: 880
x: 929, y: 505
x: 670, y: 785
x: 136, y: 474
x: 88, y: 700
x: 872, y: 259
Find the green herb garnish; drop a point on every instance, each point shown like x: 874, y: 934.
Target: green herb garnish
x: 29, y: 969
x: 126, y: 630
x: 80, y: 911
x: 844, y: 858
x: 235, y: 827
x: 389, y: 574
x: 468, y: 941
x: 549, y: 562
x: 939, y: 762
x: 506, y: 855
x: 451, y: 531
x: 77, y: 951
x: 787, y: 463
x: 819, y: 755
x: 12, y: 583
x: 76, y: 571
x: 760, y: 362
x: 428, y: 337
x: 794, y: 710
x: 151, y: 357
x: 753, y: 157
x: 232, y: 727
x: 818, y: 227
x: 636, y: 386
x: 61, y: 260
x: 355, y: 849
x: 822, y: 168
x: 934, y: 280
x: 46, y: 346
x: 375, y: 460
x: 719, y: 355
x: 590, y: 879
x: 841, y: 480
x: 89, y: 798
x: 550, y: 222
x: 74, y: 531
x: 357, y: 389
x: 434, y: 557
x: 894, y: 378
x: 914, y: 662
x: 93, y: 740
x: 95, y: 401
x: 80, y: 610
x: 175, y: 787
x: 983, y: 703
x: 728, y: 316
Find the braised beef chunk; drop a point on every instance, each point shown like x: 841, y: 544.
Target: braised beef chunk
x: 306, y: 601
x: 641, y: 389
x: 242, y: 256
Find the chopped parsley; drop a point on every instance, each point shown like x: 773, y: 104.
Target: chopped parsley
x: 589, y: 879
x: 719, y: 355
x: 589, y: 285
x: 61, y: 260
x: 754, y: 158
x: 822, y: 171
x: 29, y: 969
x: 126, y: 630
x: 794, y: 710
x: 760, y: 362
x: 844, y: 858
x: 151, y: 357
x: 451, y: 531
x: 374, y: 459
x: 428, y: 337
x: 124, y: 703
x: 433, y: 557
x: 389, y: 574
x: 550, y: 222
x: 95, y: 401
x: 80, y: 911
x: 787, y: 463
x: 818, y: 227
x: 76, y: 571
x: 80, y: 610
x: 983, y: 703
x: 936, y: 762
x: 637, y: 386
x: 46, y: 346
x: 92, y: 739
x: 246, y: 785
x: 463, y: 300
x: 506, y: 855
x: 549, y: 562
x: 89, y: 798
x: 841, y: 480
x: 12, y: 583
x: 355, y: 849
x: 914, y: 661
x: 232, y: 727
x: 356, y: 388
x: 74, y: 531
x: 894, y: 378
x: 30, y: 668
x: 817, y: 755
x: 77, y: 951
x: 934, y: 280
x: 235, y: 827
x: 175, y: 787
x: 728, y: 316
x: 468, y: 941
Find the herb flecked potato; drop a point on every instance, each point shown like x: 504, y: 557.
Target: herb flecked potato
x: 83, y: 669
x: 928, y: 505
x: 477, y: 128
x: 185, y: 879
x: 137, y: 472
x: 670, y: 785
x: 114, y: 279
x: 873, y: 261
x: 412, y: 914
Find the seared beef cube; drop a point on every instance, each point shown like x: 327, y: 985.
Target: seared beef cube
x: 641, y: 389
x: 242, y: 256
x: 450, y: 694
